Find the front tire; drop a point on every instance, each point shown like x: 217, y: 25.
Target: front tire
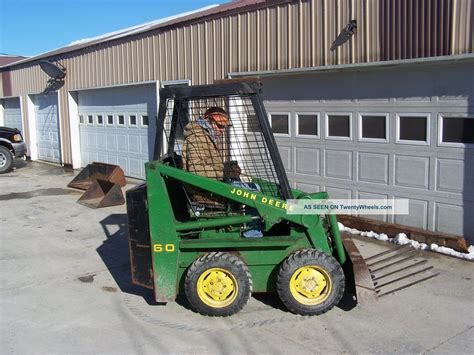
x: 218, y: 284
x: 6, y: 160
x: 310, y: 282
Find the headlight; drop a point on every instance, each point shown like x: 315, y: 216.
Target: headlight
x: 17, y: 138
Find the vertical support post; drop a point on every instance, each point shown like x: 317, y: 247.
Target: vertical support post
x: 272, y: 147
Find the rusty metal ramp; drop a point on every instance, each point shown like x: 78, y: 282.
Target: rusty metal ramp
x: 398, y: 268
x: 387, y: 272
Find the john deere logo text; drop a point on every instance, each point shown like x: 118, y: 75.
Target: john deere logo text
x: 263, y: 199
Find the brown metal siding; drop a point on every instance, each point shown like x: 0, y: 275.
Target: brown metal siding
x: 425, y: 28
x: 287, y: 35
x: 6, y: 83
x: 462, y: 40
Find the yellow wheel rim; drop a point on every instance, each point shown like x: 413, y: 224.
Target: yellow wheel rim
x: 217, y: 288
x: 310, y: 285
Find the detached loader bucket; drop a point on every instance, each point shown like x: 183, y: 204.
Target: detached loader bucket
x: 98, y: 171
x: 102, y: 193
x: 102, y: 184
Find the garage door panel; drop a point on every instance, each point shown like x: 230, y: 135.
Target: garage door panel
x: 418, y: 214
x: 93, y: 157
x: 144, y: 147
x: 12, y: 113
x: 307, y: 161
x: 373, y: 167
x: 123, y: 145
x: 310, y: 188
x: 338, y: 164
x: 123, y: 162
x: 134, y: 144
x: 411, y: 171
x: 92, y: 140
x: 111, y: 142
x: 135, y: 165
x: 101, y: 157
x: 101, y: 141
x: 56, y: 155
x: 449, y: 218
x: 337, y: 193
x: 112, y: 159
x: 122, y: 142
x: 47, y: 127
x: 83, y: 137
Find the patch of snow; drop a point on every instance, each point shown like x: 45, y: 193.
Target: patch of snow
x: 402, y: 239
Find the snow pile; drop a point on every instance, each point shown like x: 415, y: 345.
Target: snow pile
x: 402, y: 239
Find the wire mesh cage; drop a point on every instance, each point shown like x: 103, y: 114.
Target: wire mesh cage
x: 230, y: 147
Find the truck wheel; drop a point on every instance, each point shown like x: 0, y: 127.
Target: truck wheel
x: 310, y: 282
x: 218, y: 284
x: 6, y: 160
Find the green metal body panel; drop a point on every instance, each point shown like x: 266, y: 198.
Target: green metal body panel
x: 175, y: 245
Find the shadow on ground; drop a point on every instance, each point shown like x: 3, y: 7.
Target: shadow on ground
x: 114, y: 252
x: 271, y: 299
x: 19, y: 164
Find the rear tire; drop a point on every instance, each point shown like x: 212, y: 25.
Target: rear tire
x: 6, y: 160
x: 310, y: 282
x: 218, y: 284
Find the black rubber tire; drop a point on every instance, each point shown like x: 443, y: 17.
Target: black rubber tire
x: 231, y: 264
x: 310, y: 257
x: 7, y: 158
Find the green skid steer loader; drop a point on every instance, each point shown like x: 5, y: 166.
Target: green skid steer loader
x: 220, y: 233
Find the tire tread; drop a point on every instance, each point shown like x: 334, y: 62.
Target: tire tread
x: 193, y: 274
x: 296, y: 260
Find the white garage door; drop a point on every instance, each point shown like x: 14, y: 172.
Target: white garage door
x: 117, y: 126
x: 12, y: 113
x: 47, y: 127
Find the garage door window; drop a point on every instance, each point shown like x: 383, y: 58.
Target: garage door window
x: 307, y: 125
x: 373, y: 127
x: 252, y: 124
x: 145, y: 121
x: 110, y: 120
x: 121, y: 120
x: 90, y: 119
x: 100, y: 120
x: 339, y: 126
x: 413, y: 128
x: 457, y: 130
x: 81, y: 119
x: 132, y: 121
x: 280, y: 123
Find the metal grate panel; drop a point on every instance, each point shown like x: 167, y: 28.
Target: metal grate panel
x: 242, y: 144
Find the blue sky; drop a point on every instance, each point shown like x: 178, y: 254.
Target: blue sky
x: 31, y: 27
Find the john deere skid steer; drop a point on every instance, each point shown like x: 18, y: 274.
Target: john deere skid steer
x: 218, y: 239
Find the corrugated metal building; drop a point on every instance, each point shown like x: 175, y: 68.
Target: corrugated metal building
x: 387, y: 113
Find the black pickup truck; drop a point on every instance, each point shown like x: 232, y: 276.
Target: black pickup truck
x: 12, y: 146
